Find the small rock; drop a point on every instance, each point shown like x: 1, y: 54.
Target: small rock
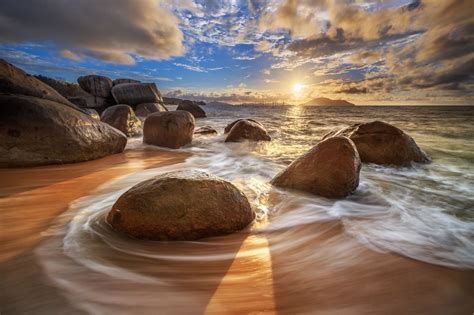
x: 247, y: 130
x: 232, y: 124
x: 193, y: 108
x: 206, y: 130
x: 123, y: 118
x: 169, y: 129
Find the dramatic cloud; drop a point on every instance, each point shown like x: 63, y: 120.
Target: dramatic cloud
x: 111, y: 30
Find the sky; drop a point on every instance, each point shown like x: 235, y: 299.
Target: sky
x: 370, y: 52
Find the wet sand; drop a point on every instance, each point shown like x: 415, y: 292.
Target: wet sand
x: 306, y: 269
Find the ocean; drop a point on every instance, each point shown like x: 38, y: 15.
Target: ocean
x: 398, y: 236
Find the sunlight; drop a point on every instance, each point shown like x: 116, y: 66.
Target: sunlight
x: 297, y: 88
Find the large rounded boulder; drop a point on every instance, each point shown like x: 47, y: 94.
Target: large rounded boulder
x: 96, y: 85
x: 382, y: 143
x: 169, y: 129
x: 123, y: 118
x: 330, y: 169
x: 146, y: 109
x: 181, y: 206
x: 15, y: 81
x: 248, y: 130
x: 193, y: 108
x: 136, y: 93
x: 36, y: 131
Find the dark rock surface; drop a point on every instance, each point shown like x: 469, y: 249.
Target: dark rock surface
x: 136, y: 93
x: 96, y: 85
x: 193, y: 108
x: 146, y: 109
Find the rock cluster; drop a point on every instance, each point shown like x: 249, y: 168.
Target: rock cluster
x: 123, y: 118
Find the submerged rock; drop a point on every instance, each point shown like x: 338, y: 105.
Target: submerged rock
x: 181, y: 206
x: 247, y: 130
x: 206, y: 130
x: 123, y: 118
x: 15, y: 81
x: 136, y: 93
x: 96, y: 85
x: 193, y: 108
x: 169, y: 129
x: 232, y: 124
x: 330, y: 169
x: 146, y: 109
x: 36, y: 131
x: 382, y: 143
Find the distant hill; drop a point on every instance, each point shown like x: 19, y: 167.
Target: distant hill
x: 323, y: 101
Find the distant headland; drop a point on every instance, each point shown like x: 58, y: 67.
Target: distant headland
x: 323, y: 101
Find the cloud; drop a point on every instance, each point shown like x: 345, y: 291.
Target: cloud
x: 190, y: 67
x: 110, y: 30
x: 268, y: 81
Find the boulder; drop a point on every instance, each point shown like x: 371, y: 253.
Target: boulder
x: 169, y: 129
x: 87, y: 100
x: 206, y: 130
x: 183, y: 206
x: 93, y: 113
x: 96, y: 85
x: 146, y: 109
x: 232, y: 124
x: 382, y: 143
x: 122, y: 81
x: 35, y: 131
x: 15, y: 81
x: 193, y: 108
x: 247, y: 130
x: 136, y: 93
x: 330, y: 169
x: 123, y: 118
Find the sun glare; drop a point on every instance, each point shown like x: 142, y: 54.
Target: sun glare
x: 297, y: 88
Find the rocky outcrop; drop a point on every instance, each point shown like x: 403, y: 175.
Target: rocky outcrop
x: 146, y: 109
x: 181, y: 206
x: 136, y: 93
x: 205, y: 130
x: 232, y: 124
x: 169, y: 129
x: 15, y: 81
x: 193, y: 108
x: 247, y: 130
x: 330, y: 169
x: 35, y: 131
x: 382, y: 143
x: 123, y: 118
x: 96, y: 85
x: 122, y: 81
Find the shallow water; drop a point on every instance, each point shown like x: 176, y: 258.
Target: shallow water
x: 304, y: 254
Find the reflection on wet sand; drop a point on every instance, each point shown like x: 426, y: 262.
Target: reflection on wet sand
x: 81, y: 266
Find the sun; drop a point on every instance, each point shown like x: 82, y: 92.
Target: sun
x: 297, y: 88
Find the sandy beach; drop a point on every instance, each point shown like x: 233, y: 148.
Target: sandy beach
x: 259, y: 274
